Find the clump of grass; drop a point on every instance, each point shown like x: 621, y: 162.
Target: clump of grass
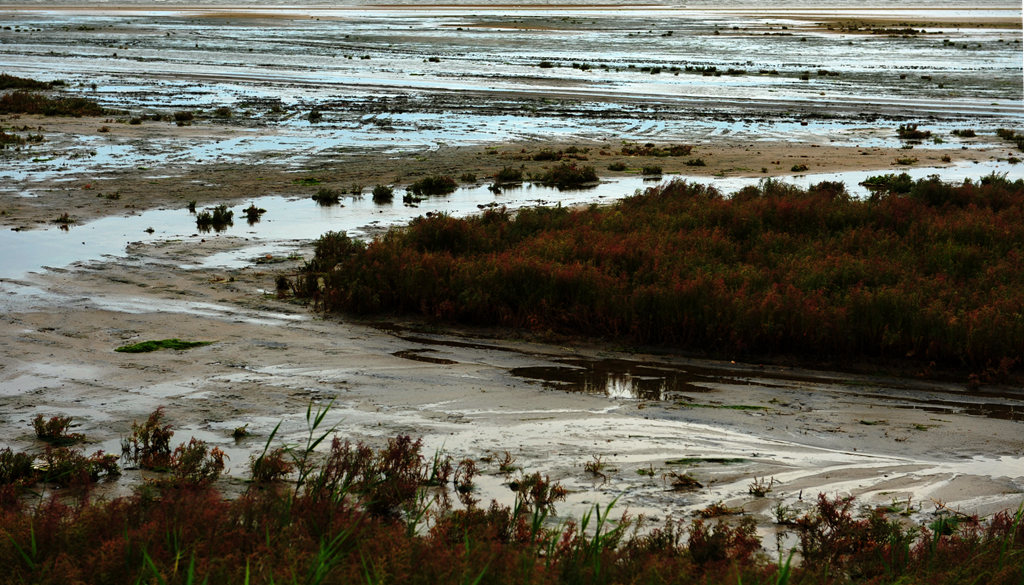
x: 240, y: 432
x: 271, y: 466
x: 682, y: 482
x: 719, y: 509
x: 508, y: 176
x: 507, y: 463
x: 617, y: 166
x: 253, y: 213
x: 154, y: 345
x: 433, y: 185
x: 383, y: 194
x: 965, y: 133
x: 651, y: 171
x: 568, y: 176
x: 798, y: 168
x: 760, y: 488
x: 595, y: 466
x: 64, y: 219
x: 538, y: 491
x: 326, y: 196
x: 905, y: 160
x: 889, y: 183
x: 66, y: 466
x: 149, y: 444
x: 217, y: 219
x: 16, y: 468
x: 696, y: 162
x: 55, y: 430
x: 196, y: 463
x: 468, y: 177
x: 911, y: 132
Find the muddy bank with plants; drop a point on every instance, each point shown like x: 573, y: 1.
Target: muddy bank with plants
x: 921, y: 271
x: 606, y: 424
x: 394, y: 512
x: 85, y: 188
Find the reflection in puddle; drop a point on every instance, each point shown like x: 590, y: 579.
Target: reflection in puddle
x: 620, y: 379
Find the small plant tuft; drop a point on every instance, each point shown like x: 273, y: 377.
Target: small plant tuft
x: 149, y: 444
x: 55, y: 430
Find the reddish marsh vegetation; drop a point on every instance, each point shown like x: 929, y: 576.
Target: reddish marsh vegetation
x: 927, y: 271
x: 355, y: 514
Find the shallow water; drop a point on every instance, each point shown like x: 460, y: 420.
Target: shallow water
x: 411, y: 78
x: 290, y: 220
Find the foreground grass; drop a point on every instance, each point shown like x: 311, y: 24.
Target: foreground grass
x: 354, y: 514
x: 925, y: 271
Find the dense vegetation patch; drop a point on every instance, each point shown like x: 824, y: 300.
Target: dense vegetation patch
x: 568, y: 176
x: 930, y: 271
x: 433, y: 185
x: 26, y: 102
x: 154, y: 345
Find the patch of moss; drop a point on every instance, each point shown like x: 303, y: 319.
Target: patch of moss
x: 153, y: 345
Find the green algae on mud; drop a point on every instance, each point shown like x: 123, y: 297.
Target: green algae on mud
x: 154, y: 345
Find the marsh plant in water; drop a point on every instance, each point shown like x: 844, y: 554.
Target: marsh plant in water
x: 217, y: 219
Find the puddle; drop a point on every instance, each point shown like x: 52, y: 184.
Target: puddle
x: 616, y: 378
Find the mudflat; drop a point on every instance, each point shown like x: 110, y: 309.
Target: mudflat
x: 555, y: 407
